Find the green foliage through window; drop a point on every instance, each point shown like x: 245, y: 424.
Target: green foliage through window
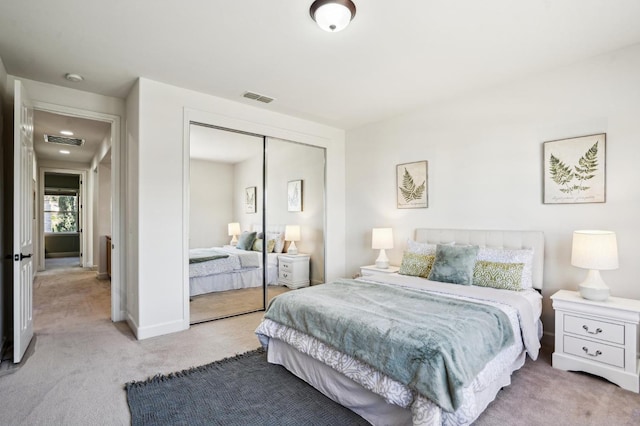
x: 60, y: 213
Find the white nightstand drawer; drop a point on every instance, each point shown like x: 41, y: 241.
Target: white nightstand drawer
x: 593, y: 351
x: 594, y: 329
x: 285, y: 265
x: 285, y: 275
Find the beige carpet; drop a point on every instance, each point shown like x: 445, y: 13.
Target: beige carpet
x: 82, y: 360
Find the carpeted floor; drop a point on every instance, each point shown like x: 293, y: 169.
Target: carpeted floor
x: 238, y: 391
x: 82, y: 360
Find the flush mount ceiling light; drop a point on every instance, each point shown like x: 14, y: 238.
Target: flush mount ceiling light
x: 66, y: 132
x: 73, y: 77
x: 332, y: 15
x: 65, y: 152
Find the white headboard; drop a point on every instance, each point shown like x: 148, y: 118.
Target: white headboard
x: 496, y: 239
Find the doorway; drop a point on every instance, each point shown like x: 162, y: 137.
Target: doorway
x: 86, y: 145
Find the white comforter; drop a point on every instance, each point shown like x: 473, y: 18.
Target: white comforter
x: 237, y: 260
x: 522, y: 308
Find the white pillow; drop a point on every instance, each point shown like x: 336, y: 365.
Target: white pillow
x: 278, y: 237
x: 502, y: 255
x: 420, y: 248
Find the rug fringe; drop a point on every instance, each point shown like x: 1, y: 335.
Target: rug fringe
x: 165, y: 377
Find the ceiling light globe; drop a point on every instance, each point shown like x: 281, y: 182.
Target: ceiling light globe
x: 333, y: 16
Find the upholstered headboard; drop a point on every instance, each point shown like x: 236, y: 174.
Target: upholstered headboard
x: 496, y: 239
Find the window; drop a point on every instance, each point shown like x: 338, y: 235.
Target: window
x: 60, y: 213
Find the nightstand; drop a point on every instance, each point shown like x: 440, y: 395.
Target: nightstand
x: 600, y: 338
x: 293, y: 270
x: 372, y: 270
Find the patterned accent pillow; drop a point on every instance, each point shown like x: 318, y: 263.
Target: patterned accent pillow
x: 506, y: 276
x: 245, y: 240
x: 454, y: 264
x: 416, y: 265
x: 503, y: 255
x: 259, y: 243
x: 278, y: 237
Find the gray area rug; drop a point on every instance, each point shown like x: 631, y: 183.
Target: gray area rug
x: 242, y: 390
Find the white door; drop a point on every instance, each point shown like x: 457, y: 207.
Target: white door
x: 22, y: 223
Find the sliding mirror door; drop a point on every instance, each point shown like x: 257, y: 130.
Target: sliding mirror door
x: 225, y: 204
x: 296, y: 206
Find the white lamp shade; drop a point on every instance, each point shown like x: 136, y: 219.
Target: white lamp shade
x: 382, y: 238
x: 594, y: 249
x: 292, y: 233
x: 234, y: 228
x: 333, y: 15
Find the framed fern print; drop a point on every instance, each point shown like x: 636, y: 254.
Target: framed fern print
x: 250, y: 199
x: 574, y: 170
x: 412, y: 185
x: 294, y: 196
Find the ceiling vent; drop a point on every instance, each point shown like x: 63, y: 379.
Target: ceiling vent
x: 258, y: 97
x: 62, y: 140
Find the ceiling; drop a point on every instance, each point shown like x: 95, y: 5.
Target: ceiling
x: 393, y: 58
x: 93, y: 132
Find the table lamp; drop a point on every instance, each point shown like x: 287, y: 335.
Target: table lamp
x: 382, y: 238
x: 292, y: 233
x: 594, y: 250
x: 234, y: 230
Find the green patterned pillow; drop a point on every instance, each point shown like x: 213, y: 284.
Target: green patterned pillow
x: 258, y: 245
x: 416, y: 265
x: 507, y: 276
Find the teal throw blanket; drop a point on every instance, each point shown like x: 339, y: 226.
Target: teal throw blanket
x: 435, y: 345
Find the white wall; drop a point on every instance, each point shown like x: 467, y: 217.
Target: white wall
x: 132, y: 298
x: 103, y: 219
x: 288, y: 161
x: 485, y: 167
x: 211, y: 207
x: 162, y: 279
x: 4, y: 138
x: 246, y: 174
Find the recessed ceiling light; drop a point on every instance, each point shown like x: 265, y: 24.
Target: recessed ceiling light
x: 66, y: 132
x: 65, y: 152
x: 73, y: 77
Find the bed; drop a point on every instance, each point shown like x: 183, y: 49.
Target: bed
x: 448, y: 382
x: 218, y: 269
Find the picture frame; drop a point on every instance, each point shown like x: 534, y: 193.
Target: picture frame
x: 412, y: 185
x: 294, y: 195
x: 574, y: 170
x: 250, y: 199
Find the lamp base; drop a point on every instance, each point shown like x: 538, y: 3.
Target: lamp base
x: 591, y: 293
x: 234, y: 241
x: 292, y: 248
x: 593, y: 287
x: 382, y: 262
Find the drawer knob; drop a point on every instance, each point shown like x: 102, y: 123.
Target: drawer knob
x: 598, y: 330
x: 586, y: 351
x: 285, y: 275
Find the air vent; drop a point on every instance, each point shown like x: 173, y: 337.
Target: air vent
x: 258, y: 97
x: 61, y: 140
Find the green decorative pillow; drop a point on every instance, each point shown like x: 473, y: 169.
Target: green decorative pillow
x: 507, y: 276
x: 258, y: 245
x: 416, y: 265
x: 245, y: 240
x: 454, y: 264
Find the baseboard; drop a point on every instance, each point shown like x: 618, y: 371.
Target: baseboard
x: 102, y: 276
x: 548, y: 339
x: 62, y: 254
x: 161, y: 329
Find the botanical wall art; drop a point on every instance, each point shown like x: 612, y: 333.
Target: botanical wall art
x: 294, y: 196
x: 250, y: 199
x: 412, y: 185
x: 574, y: 170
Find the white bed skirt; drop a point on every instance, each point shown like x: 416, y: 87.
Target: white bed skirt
x: 232, y: 281
x: 367, y: 404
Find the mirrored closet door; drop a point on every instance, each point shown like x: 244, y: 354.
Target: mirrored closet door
x: 226, y: 196
x: 256, y: 220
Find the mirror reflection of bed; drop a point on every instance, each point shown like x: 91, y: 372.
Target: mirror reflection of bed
x: 233, y: 230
